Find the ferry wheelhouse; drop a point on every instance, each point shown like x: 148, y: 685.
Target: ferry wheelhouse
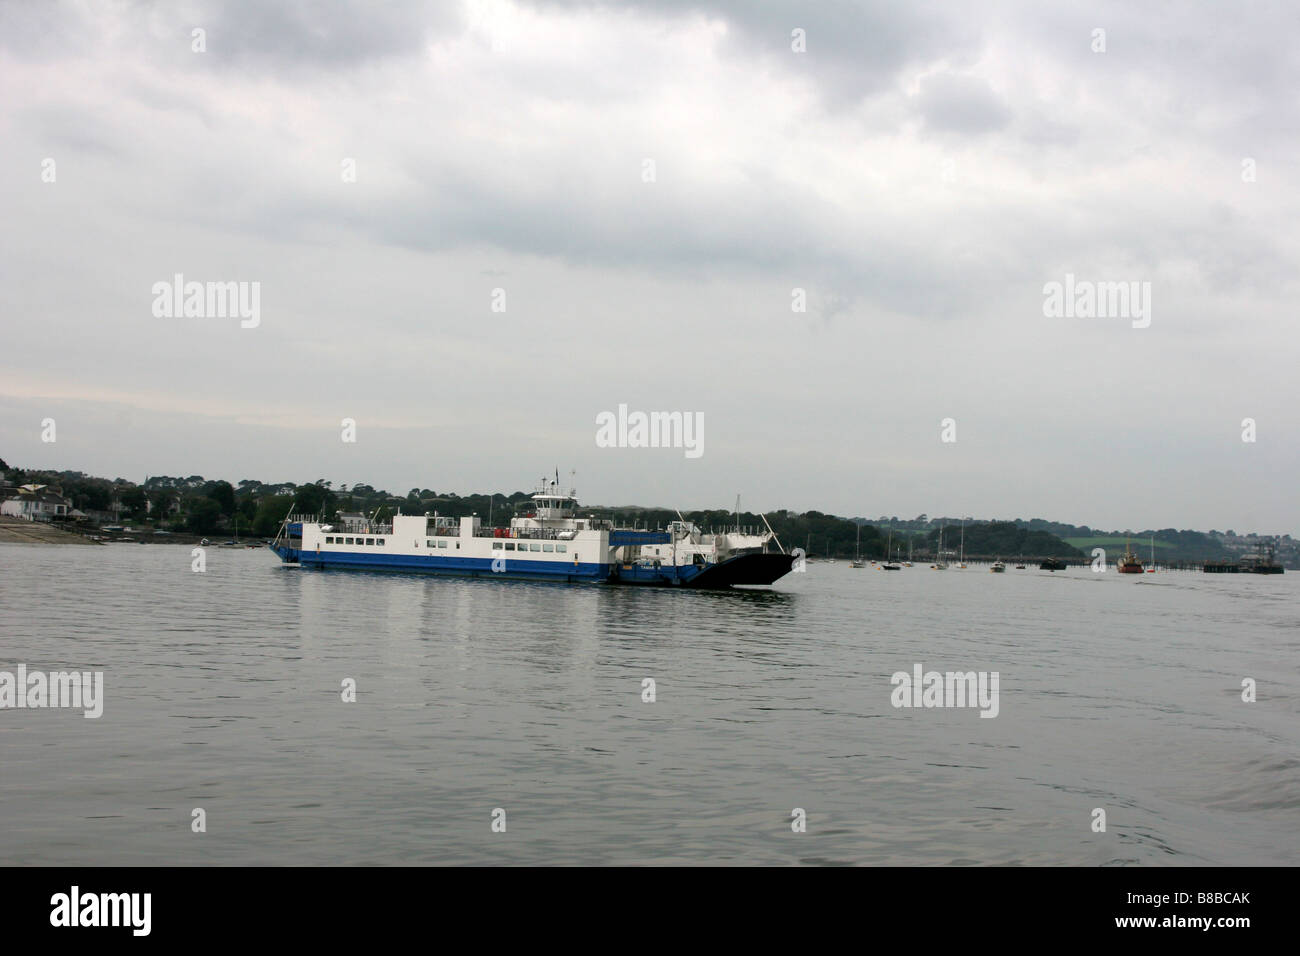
x: 548, y: 542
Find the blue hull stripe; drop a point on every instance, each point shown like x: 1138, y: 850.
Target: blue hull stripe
x: 470, y: 567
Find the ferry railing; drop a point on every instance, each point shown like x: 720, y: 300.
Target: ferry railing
x: 371, y: 529
x: 536, y: 534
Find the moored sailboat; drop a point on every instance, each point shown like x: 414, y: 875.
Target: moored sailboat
x: 939, y: 564
x: 889, y: 554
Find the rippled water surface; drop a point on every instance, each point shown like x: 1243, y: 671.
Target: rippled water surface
x: 223, y: 691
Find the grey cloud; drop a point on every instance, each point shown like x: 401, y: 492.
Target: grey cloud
x: 960, y: 104
x: 854, y: 49
x: 282, y: 36
x: 478, y: 165
x: 319, y: 34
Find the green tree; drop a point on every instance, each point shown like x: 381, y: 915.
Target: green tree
x: 315, y: 499
x: 270, y: 512
x: 133, y: 501
x: 224, y: 495
x: 204, y: 515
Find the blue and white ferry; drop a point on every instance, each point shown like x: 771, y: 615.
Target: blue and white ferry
x: 550, y: 542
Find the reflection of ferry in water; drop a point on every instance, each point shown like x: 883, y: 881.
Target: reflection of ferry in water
x: 550, y: 543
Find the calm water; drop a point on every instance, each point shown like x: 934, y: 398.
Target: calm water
x: 223, y: 692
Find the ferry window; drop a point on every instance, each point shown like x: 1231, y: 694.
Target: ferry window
x: 534, y: 547
x: 329, y: 540
x: 548, y: 547
x: 349, y: 541
x: 510, y: 545
x: 370, y: 541
x: 457, y: 545
x: 561, y: 547
x: 442, y: 544
x: 379, y: 541
x: 429, y: 543
x: 496, y: 545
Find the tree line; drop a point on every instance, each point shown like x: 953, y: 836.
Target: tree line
x: 252, y: 507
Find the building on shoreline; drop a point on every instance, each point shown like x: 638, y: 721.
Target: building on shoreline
x: 36, y: 503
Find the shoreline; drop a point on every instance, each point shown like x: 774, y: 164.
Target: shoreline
x: 19, y: 531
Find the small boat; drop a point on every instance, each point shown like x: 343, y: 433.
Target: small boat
x: 1129, y: 562
x: 1020, y: 567
x: 998, y: 567
x: 1052, y: 564
x: 857, y: 561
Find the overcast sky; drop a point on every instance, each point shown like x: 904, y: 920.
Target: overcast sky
x: 921, y: 170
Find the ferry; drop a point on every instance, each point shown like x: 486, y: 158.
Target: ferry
x: 549, y: 542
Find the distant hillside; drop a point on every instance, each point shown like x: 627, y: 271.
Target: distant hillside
x: 1170, y: 545
x: 1004, y: 539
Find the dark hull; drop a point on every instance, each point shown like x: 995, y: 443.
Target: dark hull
x: 746, y: 569
x: 743, y: 569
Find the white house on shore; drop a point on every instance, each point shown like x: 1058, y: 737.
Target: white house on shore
x: 36, y: 503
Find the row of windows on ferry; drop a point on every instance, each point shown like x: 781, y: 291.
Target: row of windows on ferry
x: 442, y: 543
